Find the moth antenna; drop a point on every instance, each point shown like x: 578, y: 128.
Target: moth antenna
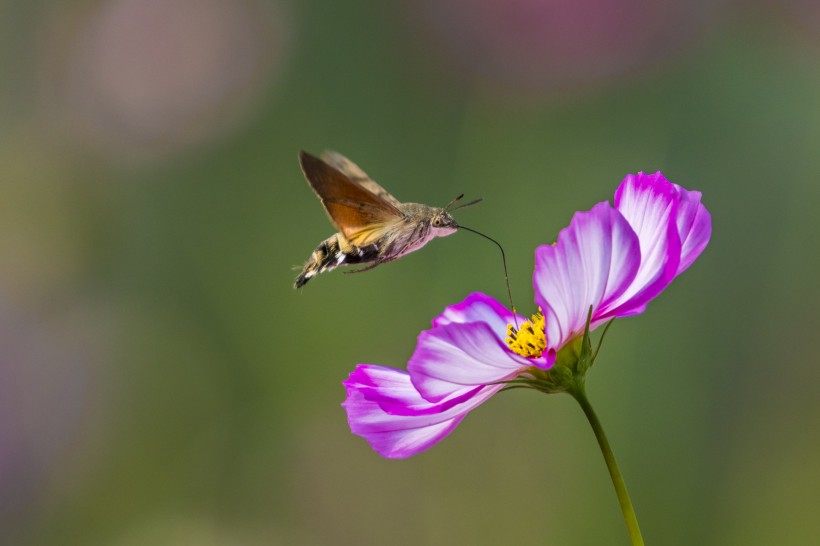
x: 470, y: 204
x: 504, y: 261
x: 450, y: 204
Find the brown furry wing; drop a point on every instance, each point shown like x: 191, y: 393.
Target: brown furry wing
x: 357, y: 175
x: 359, y: 214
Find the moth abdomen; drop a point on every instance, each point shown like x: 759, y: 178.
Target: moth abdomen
x: 330, y: 255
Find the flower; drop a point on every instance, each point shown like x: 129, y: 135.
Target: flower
x: 608, y: 263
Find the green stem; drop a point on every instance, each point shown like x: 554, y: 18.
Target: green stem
x: 579, y: 393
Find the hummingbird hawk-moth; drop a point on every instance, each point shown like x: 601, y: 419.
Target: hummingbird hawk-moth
x: 373, y: 226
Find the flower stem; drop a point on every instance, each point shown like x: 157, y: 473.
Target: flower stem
x: 579, y: 393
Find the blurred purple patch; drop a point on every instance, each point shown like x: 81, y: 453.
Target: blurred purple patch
x: 156, y: 74
x: 805, y: 16
x: 545, y: 45
x: 47, y: 400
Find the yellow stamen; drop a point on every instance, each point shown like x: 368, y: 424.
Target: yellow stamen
x: 529, y: 340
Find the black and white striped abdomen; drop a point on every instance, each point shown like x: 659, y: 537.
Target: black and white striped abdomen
x: 329, y: 255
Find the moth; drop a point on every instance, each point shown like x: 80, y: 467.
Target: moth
x: 373, y: 227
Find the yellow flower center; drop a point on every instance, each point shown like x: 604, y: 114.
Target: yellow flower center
x: 529, y: 340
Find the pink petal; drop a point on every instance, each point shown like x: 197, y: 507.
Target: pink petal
x: 694, y: 227
x: 478, y: 307
x: 383, y: 407
x: 451, y: 357
x: 649, y: 203
x: 594, y: 261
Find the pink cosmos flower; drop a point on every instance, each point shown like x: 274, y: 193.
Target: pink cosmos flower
x: 612, y: 260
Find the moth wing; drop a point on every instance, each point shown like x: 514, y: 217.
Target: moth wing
x: 357, y: 175
x: 360, y: 215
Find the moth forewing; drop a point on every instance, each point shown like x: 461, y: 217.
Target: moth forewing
x: 348, y: 205
x: 357, y: 175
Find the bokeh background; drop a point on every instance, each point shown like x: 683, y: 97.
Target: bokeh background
x: 162, y: 383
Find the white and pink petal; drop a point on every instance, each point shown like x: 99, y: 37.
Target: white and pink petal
x: 383, y: 407
x: 649, y: 203
x: 593, y: 262
x: 455, y: 356
x: 694, y: 225
x: 478, y: 307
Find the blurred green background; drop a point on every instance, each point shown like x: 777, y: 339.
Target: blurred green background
x: 162, y: 383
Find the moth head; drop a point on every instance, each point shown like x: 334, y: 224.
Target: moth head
x: 444, y: 223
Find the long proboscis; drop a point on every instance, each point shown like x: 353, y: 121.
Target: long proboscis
x: 504, y: 261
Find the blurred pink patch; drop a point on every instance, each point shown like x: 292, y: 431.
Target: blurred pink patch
x: 49, y: 402
x: 805, y: 16
x: 531, y: 45
x: 160, y: 73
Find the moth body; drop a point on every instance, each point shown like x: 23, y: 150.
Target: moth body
x: 421, y: 224
x: 373, y: 226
